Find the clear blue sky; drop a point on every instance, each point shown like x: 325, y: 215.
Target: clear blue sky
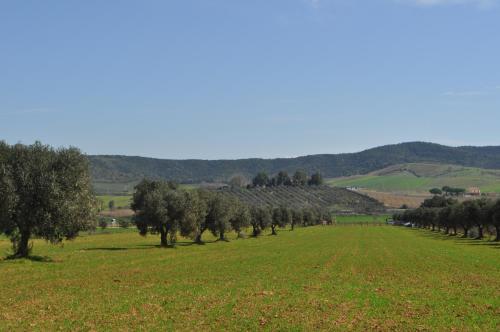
x: 240, y: 78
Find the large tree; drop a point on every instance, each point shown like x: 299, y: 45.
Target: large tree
x: 299, y: 178
x: 261, y: 218
x: 466, y: 214
x: 240, y: 218
x: 260, y: 180
x: 316, y: 179
x: 44, y: 193
x: 159, y: 209
x: 277, y: 220
x: 282, y: 179
x: 220, y: 210
x: 193, y: 223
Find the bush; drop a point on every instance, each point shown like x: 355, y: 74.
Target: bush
x: 103, y: 223
x: 124, y: 223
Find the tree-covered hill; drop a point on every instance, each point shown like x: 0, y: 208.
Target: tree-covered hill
x: 421, y: 177
x: 112, y: 170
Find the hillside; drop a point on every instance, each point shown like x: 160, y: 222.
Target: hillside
x: 420, y: 177
x: 119, y: 173
x: 335, y: 199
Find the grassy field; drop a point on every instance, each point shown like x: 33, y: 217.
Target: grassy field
x: 347, y: 219
x: 122, y: 202
x: 419, y: 178
x: 319, y: 278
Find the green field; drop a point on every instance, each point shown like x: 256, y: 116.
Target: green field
x: 347, y: 219
x: 318, y: 278
x: 419, y: 178
x: 121, y: 202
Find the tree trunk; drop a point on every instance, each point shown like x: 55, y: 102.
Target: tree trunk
x: 479, y: 232
x: 221, y: 235
x: 433, y: 228
x: 163, y: 237
x: 454, y: 231
x: 497, y: 229
x: 255, y: 232
x: 198, y: 237
x: 446, y: 230
x: 293, y: 226
x: 273, y: 228
x: 466, y: 232
x: 22, y: 249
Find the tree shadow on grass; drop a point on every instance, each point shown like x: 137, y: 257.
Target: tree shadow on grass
x: 33, y: 258
x: 458, y: 239
x: 144, y: 246
x: 107, y: 249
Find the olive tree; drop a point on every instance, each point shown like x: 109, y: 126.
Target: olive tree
x: 297, y: 218
x: 261, y: 218
x: 240, y: 218
x: 219, y: 213
x: 195, y: 214
x: 158, y: 209
x: 44, y: 193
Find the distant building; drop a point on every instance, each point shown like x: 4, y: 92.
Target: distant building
x: 474, y: 191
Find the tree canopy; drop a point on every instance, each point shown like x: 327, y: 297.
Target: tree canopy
x: 44, y: 193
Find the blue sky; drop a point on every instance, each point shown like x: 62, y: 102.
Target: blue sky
x: 238, y: 78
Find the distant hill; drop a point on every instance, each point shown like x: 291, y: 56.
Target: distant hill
x: 334, y: 199
x: 420, y: 177
x: 119, y: 173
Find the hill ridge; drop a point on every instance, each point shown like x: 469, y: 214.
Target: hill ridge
x: 108, y: 169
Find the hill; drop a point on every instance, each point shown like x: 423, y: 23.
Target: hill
x: 113, y: 174
x: 420, y: 177
x: 334, y: 199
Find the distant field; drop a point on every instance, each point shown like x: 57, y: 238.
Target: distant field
x: 319, y: 278
x: 395, y: 200
x: 120, y: 201
x: 419, y: 178
x: 378, y: 218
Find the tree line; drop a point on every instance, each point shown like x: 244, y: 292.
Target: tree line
x: 450, y: 216
x: 299, y: 178
x: 448, y: 191
x: 162, y: 208
x: 47, y: 193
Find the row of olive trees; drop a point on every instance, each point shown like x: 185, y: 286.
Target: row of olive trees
x: 300, y: 178
x: 160, y: 208
x: 450, y: 216
x: 44, y: 193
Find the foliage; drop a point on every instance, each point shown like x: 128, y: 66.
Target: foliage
x: 316, y: 179
x: 103, y: 223
x: 260, y: 180
x: 157, y: 207
x: 299, y: 178
x: 450, y: 216
x: 44, y: 193
x: 436, y: 191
